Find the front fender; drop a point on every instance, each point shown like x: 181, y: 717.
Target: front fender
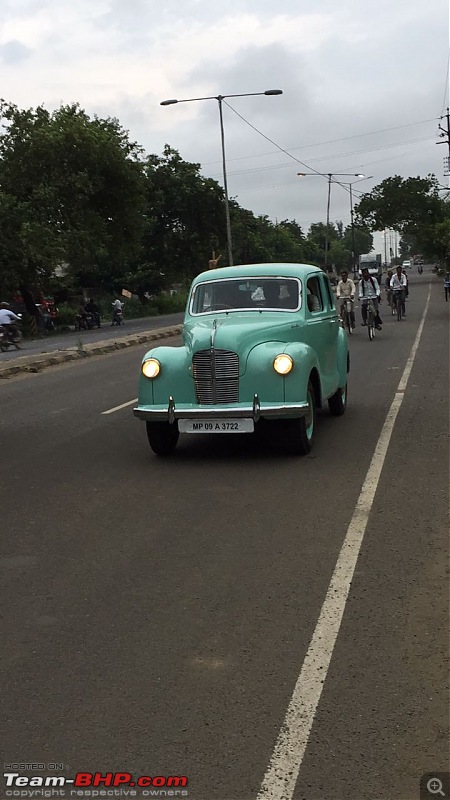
x: 305, y: 362
x: 261, y: 378
x: 174, y: 379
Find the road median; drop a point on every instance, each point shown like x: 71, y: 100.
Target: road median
x: 40, y: 361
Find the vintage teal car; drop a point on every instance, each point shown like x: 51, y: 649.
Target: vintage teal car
x: 263, y: 348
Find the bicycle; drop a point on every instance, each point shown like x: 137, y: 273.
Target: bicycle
x: 371, y: 316
x: 398, y: 299
x: 346, y: 315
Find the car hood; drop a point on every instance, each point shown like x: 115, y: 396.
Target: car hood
x: 238, y: 331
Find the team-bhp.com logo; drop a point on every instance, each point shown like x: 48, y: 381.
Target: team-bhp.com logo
x: 90, y: 781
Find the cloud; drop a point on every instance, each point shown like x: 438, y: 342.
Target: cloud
x: 13, y: 51
x: 345, y: 69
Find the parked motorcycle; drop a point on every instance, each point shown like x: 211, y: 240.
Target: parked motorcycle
x: 9, y: 338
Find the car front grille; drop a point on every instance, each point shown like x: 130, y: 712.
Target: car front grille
x: 216, y: 376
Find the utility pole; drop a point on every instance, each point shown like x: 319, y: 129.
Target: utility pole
x: 445, y: 136
x: 330, y: 175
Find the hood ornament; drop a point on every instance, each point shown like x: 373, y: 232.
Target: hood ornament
x: 213, y: 334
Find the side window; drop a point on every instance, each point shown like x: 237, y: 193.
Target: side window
x: 314, y: 295
x: 329, y: 294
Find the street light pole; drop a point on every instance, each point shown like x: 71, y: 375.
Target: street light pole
x: 220, y: 98
x: 225, y: 186
x: 352, y: 222
x: 330, y: 176
x: 353, y: 232
x: 328, y: 222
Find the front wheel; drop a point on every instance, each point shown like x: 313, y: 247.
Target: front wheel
x: 162, y: 437
x: 337, y: 403
x: 298, y: 434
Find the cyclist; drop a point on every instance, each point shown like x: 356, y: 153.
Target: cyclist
x: 447, y: 286
x: 387, y: 286
x: 369, y: 289
x: 345, y: 291
x: 399, y: 285
x: 407, y: 284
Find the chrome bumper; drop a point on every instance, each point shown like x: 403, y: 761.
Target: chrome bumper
x: 254, y: 411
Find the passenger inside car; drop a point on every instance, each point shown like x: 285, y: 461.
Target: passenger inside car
x: 271, y: 294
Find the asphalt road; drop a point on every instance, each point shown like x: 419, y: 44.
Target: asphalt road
x: 67, y: 341
x: 157, y: 613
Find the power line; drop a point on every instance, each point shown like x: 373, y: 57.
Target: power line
x: 286, y: 152
x: 290, y: 155
x: 318, y: 144
x: 336, y: 155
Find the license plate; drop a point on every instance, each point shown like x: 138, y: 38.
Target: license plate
x: 216, y: 425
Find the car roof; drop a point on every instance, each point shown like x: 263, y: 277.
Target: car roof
x: 258, y: 270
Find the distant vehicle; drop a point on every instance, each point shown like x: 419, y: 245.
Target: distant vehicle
x: 406, y: 264
x: 372, y: 262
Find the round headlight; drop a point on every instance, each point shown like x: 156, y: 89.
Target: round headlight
x: 151, y: 368
x: 283, y: 364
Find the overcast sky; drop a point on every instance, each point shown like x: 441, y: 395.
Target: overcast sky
x: 364, y: 82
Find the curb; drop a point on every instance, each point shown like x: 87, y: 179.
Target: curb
x: 40, y: 361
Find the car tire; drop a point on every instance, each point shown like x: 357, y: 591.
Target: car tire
x: 162, y: 437
x: 299, y: 433
x: 337, y: 403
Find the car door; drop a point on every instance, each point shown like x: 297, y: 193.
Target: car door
x: 332, y: 318
x: 321, y: 333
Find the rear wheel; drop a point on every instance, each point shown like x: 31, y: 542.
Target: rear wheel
x: 162, y: 437
x: 298, y: 435
x: 337, y: 403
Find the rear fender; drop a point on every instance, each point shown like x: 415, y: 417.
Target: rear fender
x: 343, y: 358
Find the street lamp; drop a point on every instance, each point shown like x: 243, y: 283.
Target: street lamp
x: 330, y: 176
x: 350, y: 184
x: 220, y: 98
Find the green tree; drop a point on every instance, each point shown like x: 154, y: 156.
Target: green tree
x: 414, y: 208
x: 72, y: 191
x: 184, y: 220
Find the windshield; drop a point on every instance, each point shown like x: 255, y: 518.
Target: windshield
x: 246, y: 294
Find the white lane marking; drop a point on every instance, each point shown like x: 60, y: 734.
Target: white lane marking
x: 282, y: 773
x: 407, y: 371
x: 118, y: 408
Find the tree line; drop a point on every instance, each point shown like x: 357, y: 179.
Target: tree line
x: 80, y: 199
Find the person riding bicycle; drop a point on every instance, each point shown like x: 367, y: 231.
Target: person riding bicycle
x: 399, y: 286
x: 387, y: 286
x: 447, y: 286
x: 369, y: 289
x: 346, y: 291
x: 407, y: 282
x: 9, y: 320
